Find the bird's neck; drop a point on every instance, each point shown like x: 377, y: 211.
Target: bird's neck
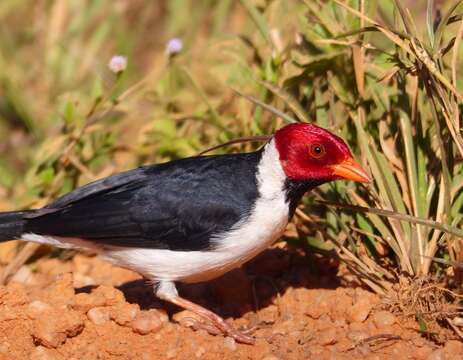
x: 270, y: 175
x: 295, y: 190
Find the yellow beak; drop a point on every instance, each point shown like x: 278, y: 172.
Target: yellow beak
x: 350, y: 170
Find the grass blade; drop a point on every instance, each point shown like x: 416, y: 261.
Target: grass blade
x: 440, y: 27
x: 452, y: 230
x: 430, y: 21
x: 267, y: 107
x: 289, y: 100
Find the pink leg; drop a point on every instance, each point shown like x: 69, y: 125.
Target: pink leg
x: 166, y: 291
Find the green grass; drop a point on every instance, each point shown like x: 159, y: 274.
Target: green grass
x: 383, y: 75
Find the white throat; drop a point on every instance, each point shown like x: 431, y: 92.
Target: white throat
x: 270, y: 175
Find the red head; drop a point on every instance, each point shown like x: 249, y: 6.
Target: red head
x: 308, y: 152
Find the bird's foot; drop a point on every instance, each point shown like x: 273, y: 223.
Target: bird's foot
x: 242, y: 336
x: 216, y: 325
x: 209, y: 328
x: 166, y: 290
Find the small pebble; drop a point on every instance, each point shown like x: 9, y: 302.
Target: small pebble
x: 36, y: 307
x: 340, y: 322
x: 360, y: 310
x: 23, y: 275
x: 270, y: 357
x: 283, y: 327
x: 436, y: 355
x: 82, y: 264
x: 52, y: 328
x: 146, y: 322
x: 162, y: 315
x: 7, y: 313
x: 73, y: 323
x: 384, y: 318
x: 357, y: 336
x: 327, y: 337
x: 318, y: 307
x: 112, y: 296
x: 269, y: 315
x: 84, y: 302
x: 42, y: 353
x: 82, y: 280
x: 171, y: 353
x: 356, y: 326
x: 364, y: 350
x: 200, y: 352
x: 39, y: 306
x: 61, y: 290
x: 98, y: 315
x: 458, y: 321
x: 123, y: 314
x: 46, y: 333
x: 229, y: 343
x: 186, y: 318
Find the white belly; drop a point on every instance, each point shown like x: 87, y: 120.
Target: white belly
x: 266, y: 224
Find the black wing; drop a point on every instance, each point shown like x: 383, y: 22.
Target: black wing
x: 177, y: 205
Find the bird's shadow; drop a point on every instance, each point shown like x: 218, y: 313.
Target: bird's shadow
x: 247, y: 289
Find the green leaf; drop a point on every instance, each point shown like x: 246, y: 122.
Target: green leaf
x: 47, y: 175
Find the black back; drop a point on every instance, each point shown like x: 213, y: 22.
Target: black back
x: 178, y: 205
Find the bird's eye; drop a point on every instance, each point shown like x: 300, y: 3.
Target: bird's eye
x: 317, y: 150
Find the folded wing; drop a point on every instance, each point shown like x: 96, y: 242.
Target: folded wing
x: 178, y: 206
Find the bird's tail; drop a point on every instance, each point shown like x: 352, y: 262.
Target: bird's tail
x: 11, y: 225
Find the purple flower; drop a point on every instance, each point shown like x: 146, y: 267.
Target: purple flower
x: 174, y: 46
x: 117, y: 64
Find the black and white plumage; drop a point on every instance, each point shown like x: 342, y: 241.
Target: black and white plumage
x: 174, y: 221
x: 193, y: 219
x: 178, y: 205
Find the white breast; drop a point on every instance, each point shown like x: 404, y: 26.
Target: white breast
x: 266, y: 223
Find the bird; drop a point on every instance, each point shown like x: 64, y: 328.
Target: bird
x: 193, y: 219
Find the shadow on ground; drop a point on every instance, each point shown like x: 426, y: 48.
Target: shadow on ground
x: 250, y: 288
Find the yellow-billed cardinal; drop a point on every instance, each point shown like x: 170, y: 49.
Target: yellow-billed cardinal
x: 193, y: 219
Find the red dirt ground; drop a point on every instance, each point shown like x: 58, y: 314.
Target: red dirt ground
x: 85, y: 308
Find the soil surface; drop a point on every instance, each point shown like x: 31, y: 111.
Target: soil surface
x: 85, y: 308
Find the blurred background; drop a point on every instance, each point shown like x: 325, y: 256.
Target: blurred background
x: 93, y: 87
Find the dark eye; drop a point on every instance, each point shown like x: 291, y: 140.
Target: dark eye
x: 317, y: 150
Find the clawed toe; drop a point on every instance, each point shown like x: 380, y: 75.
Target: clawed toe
x: 216, y: 325
x: 211, y: 329
x: 241, y: 336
